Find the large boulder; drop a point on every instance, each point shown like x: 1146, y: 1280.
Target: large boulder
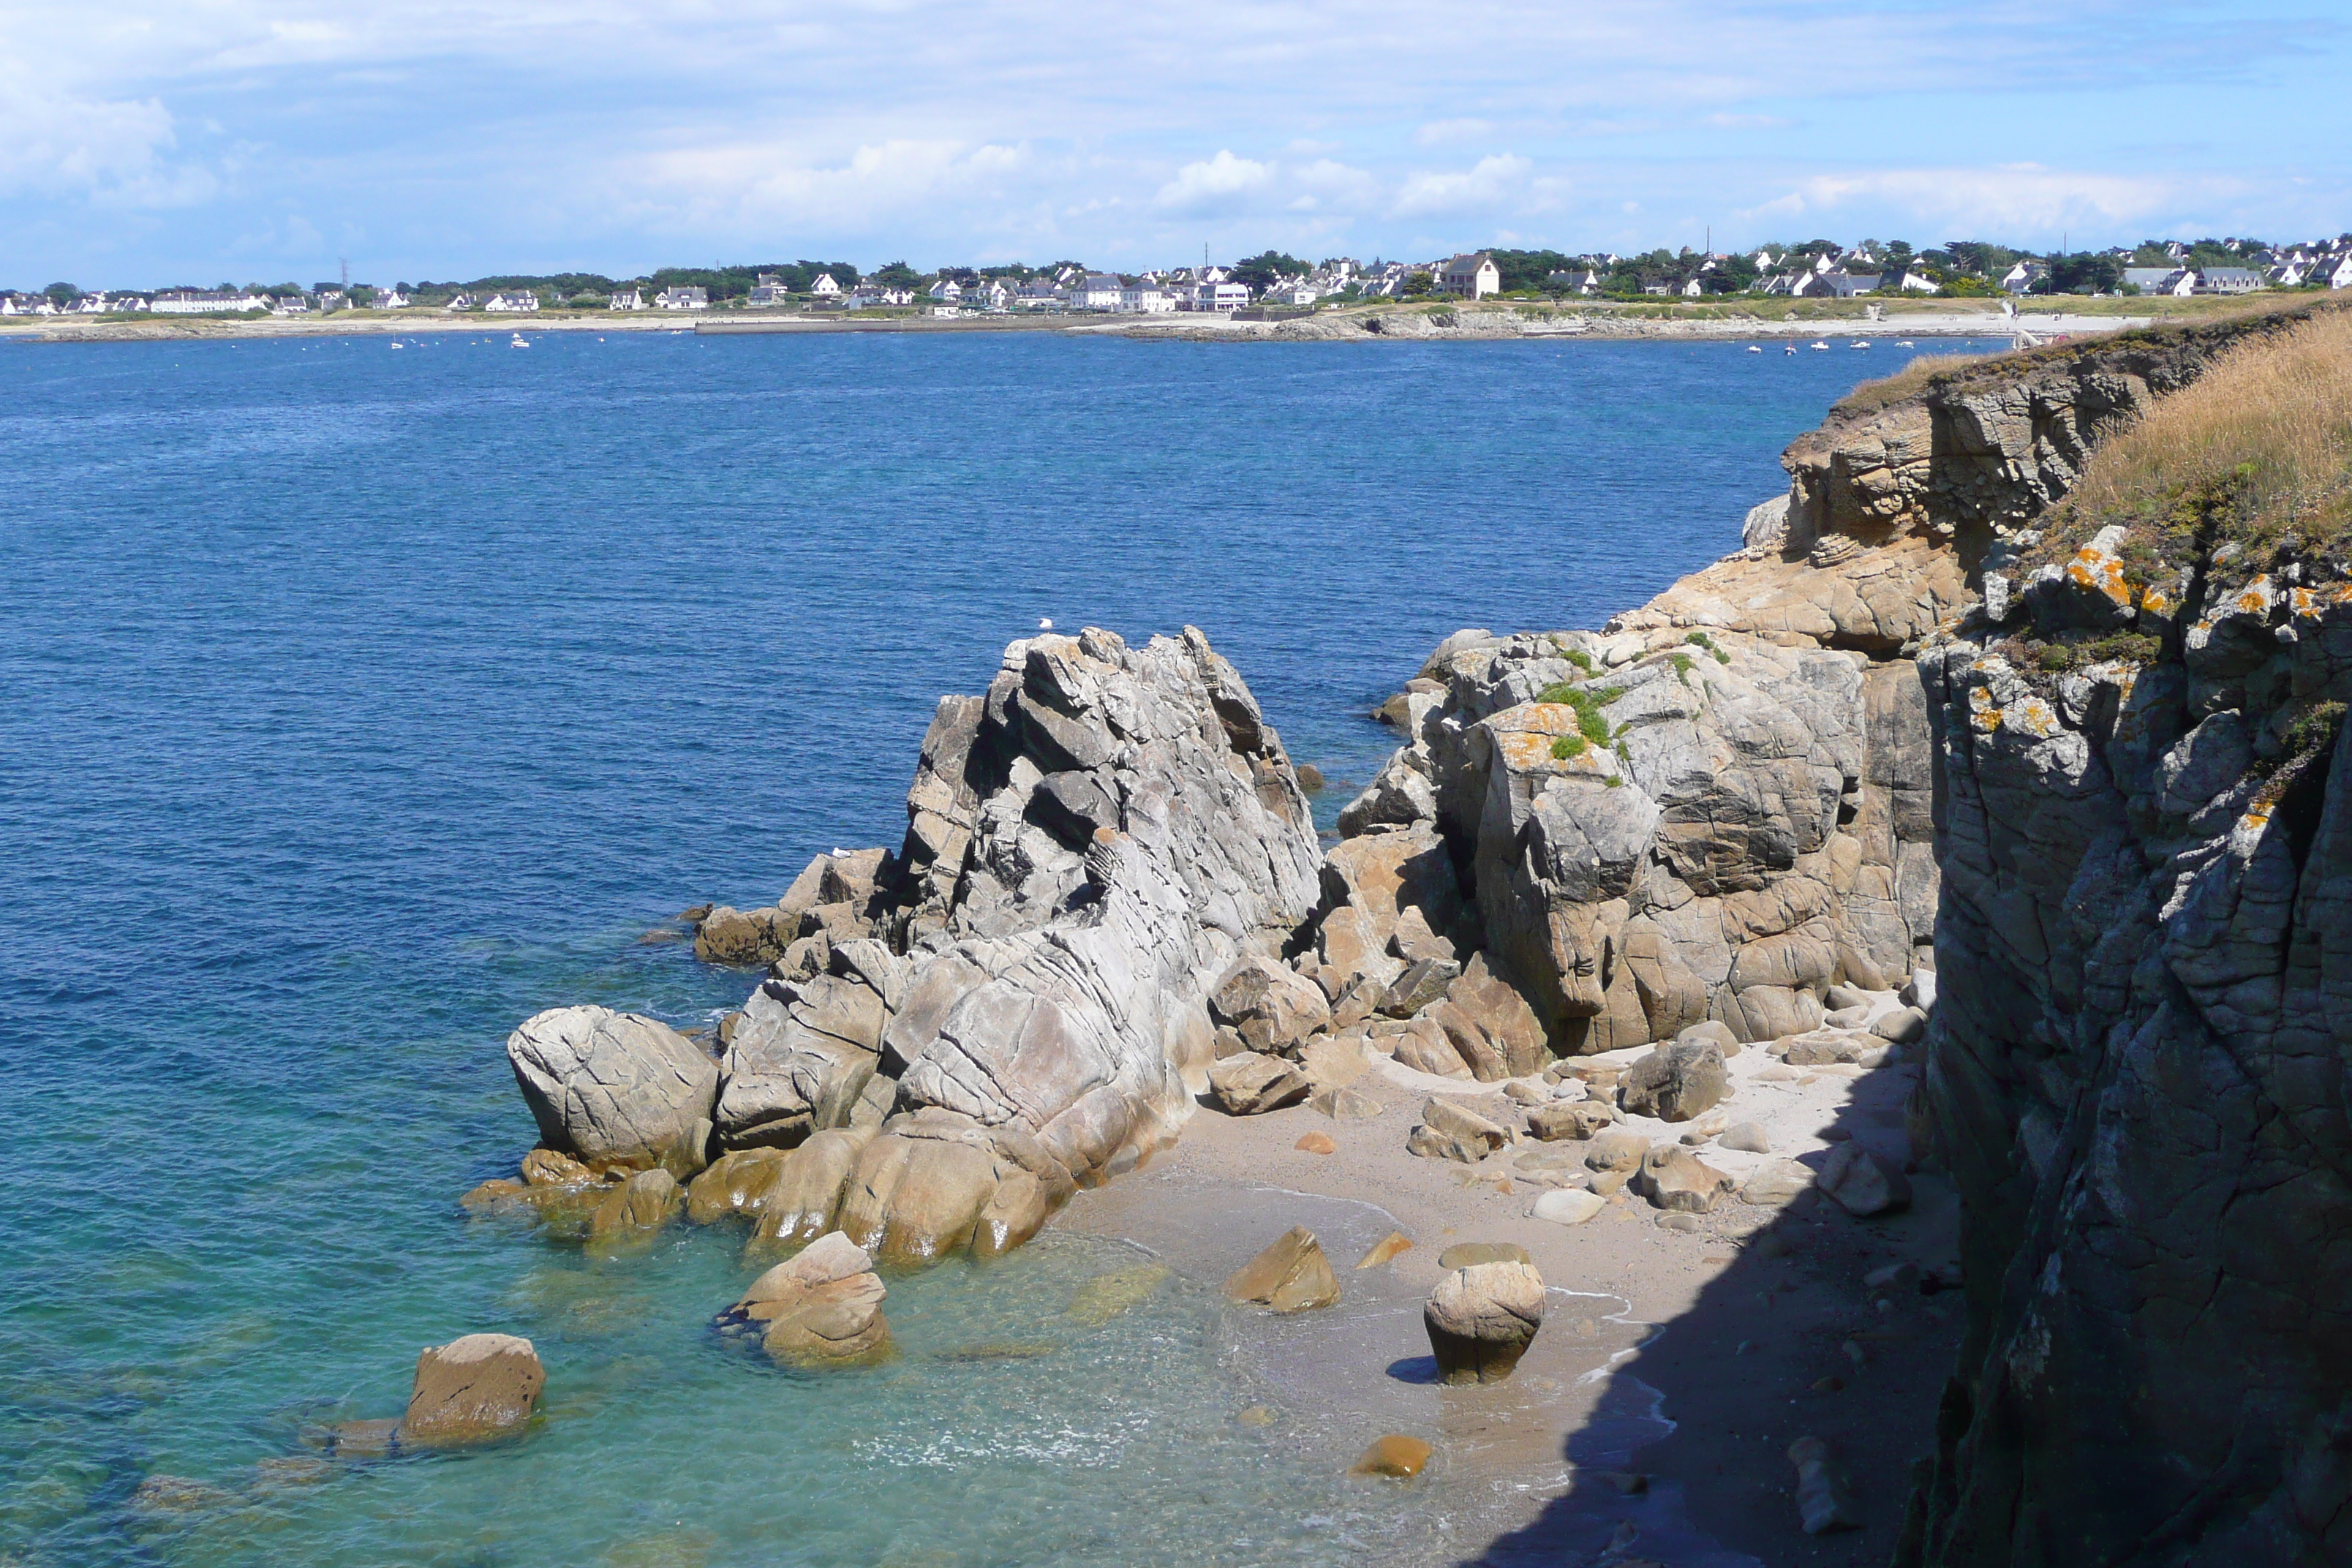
x: 472, y: 1390
x: 1677, y: 1082
x: 633, y: 1212
x: 1452, y: 1131
x: 803, y: 1198
x: 1271, y: 1006
x: 1250, y: 1084
x: 616, y: 1089
x: 1481, y: 1319
x: 1490, y: 1026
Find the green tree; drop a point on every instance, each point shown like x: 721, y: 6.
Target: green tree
x: 2085, y: 272
x: 63, y: 293
x: 898, y: 275
x: 1260, y: 271
x: 1417, y: 284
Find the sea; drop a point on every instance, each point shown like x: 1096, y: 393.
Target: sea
x: 360, y: 698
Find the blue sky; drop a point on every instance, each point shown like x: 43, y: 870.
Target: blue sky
x: 204, y: 140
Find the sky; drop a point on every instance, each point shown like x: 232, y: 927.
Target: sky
x: 201, y: 142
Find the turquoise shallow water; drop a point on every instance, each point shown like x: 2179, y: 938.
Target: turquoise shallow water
x: 356, y: 703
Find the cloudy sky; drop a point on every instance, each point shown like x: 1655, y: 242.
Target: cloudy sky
x: 204, y: 140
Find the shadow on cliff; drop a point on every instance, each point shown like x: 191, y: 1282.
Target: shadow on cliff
x: 1684, y: 1461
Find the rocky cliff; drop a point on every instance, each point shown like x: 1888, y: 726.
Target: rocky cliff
x: 2142, y: 1072
x: 1719, y: 805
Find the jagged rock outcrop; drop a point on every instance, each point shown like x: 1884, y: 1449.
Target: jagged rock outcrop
x: 956, y: 1035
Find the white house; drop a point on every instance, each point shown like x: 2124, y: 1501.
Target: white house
x: 518, y: 299
x: 2228, y: 281
x: 1139, y: 299
x: 989, y: 294
x: 625, y: 299
x: 1219, y: 296
x: 2177, y: 281
x: 391, y: 299
x: 825, y: 287
x: 1918, y: 283
x: 1097, y: 291
x: 202, y: 301
x: 767, y: 290
x: 290, y: 305
x: 460, y: 302
x: 2335, y: 271
x: 947, y: 291
x: 1300, y: 293
x: 682, y: 300
x: 1471, y: 277
x: 2021, y: 277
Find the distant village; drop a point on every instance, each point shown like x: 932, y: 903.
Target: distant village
x: 1276, y: 283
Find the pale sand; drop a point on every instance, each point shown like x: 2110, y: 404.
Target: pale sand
x: 1640, y: 1365
x: 1564, y: 323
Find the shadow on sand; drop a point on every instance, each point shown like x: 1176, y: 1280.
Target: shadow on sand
x: 1684, y: 1460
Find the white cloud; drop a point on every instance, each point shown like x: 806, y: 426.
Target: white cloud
x: 1447, y: 133
x: 1482, y: 187
x: 2016, y: 199
x: 1213, y: 183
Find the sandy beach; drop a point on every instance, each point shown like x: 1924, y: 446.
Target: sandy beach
x: 1653, y: 1412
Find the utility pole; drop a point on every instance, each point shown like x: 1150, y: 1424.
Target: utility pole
x: 347, y: 272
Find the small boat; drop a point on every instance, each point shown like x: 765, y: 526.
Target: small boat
x: 400, y: 346
x: 1754, y: 349
x: 1789, y: 349
x: 1859, y: 344
x: 517, y: 342
x: 1819, y: 344
x: 1904, y: 345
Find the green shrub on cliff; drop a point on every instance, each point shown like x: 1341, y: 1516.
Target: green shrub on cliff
x: 1706, y: 642
x: 1588, y: 701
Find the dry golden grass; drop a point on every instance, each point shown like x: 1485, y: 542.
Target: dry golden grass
x: 2257, y: 449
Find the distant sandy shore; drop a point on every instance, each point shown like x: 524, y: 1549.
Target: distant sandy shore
x: 1759, y: 320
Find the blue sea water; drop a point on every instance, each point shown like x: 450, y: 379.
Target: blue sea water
x: 356, y: 703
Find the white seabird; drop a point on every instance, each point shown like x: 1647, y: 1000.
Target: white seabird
x: 1045, y: 623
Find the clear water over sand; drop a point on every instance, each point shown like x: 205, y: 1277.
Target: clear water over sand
x: 356, y: 703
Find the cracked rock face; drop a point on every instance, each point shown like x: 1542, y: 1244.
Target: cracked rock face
x: 1023, y: 1007
x: 2140, y: 1076
x: 1660, y: 833
x: 618, y: 1090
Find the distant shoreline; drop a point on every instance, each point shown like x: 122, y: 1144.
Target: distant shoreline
x: 1436, y: 322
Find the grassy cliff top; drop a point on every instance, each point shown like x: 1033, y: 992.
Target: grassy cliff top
x: 2255, y: 453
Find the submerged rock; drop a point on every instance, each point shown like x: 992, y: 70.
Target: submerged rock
x: 822, y: 1308
x: 1396, y: 1456
x: 472, y: 1390
x: 632, y: 1211
x: 1290, y: 1276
